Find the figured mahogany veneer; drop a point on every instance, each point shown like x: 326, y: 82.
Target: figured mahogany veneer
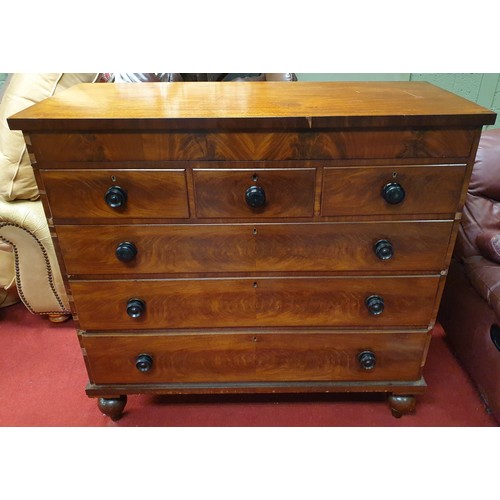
x: 236, y: 248
x: 253, y: 146
x: 263, y: 236
x: 253, y: 357
x: 221, y: 193
x: 261, y: 302
x: 76, y: 194
x: 429, y: 189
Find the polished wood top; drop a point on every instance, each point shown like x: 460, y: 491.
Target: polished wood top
x: 237, y: 105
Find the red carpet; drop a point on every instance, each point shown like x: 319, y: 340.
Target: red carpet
x: 43, y: 377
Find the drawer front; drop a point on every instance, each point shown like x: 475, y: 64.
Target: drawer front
x: 323, y: 247
x: 255, y: 145
x: 253, y: 357
x: 256, y: 302
x: 75, y: 194
x: 359, y: 191
x: 254, y: 193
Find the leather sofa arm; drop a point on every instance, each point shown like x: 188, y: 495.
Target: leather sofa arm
x: 482, y: 205
x: 23, y: 226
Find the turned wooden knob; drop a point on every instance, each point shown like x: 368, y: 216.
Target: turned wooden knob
x: 393, y: 193
x: 367, y: 360
x: 255, y: 197
x: 144, y: 362
x: 383, y: 249
x: 115, y: 197
x: 375, y: 304
x: 136, y: 308
x: 126, y: 251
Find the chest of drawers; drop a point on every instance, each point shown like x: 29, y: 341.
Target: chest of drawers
x: 253, y: 237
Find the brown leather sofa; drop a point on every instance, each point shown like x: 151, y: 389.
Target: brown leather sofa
x: 470, y: 309
x: 28, y: 265
x: 203, y: 77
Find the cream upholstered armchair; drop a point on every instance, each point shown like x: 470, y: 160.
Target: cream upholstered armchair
x: 28, y: 266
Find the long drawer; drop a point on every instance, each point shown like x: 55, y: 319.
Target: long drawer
x: 257, y: 302
x: 253, y: 145
x: 322, y: 247
x: 251, y: 357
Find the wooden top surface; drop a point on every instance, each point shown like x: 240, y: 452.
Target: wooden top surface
x: 188, y: 105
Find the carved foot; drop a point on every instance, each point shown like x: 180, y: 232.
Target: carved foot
x: 59, y: 318
x: 401, y: 405
x: 112, y: 407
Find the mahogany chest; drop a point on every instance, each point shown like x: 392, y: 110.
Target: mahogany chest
x: 253, y: 236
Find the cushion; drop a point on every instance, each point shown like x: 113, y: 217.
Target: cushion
x: 485, y: 278
x: 488, y: 243
x: 480, y: 216
x: 8, y: 297
x: 16, y: 175
x: 8, y: 291
x: 7, y: 266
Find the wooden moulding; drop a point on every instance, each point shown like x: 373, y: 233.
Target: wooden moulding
x: 400, y: 387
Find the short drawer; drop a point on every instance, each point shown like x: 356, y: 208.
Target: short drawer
x: 254, y: 193
x: 202, y: 248
x: 90, y: 194
x: 433, y: 189
x: 253, y: 357
x: 255, y: 302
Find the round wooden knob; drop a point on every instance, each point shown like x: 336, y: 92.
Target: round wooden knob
x: 393, y: 193
x: 383, y: 249
x: 367, y: 360
x: 144, y: 362
x: 255, y: 197
x: 375, y: 304
x: 115, y: 197
x: 126, y: 251
x: 136, y: 308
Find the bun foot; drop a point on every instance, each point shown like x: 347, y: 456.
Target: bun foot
x: 112, y: 407
x: 59, y: 318
x: 401, y: 405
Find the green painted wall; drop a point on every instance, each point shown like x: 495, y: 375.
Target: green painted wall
x: 3, y: 77
x: 482, y: 88
x: 352, y: 77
